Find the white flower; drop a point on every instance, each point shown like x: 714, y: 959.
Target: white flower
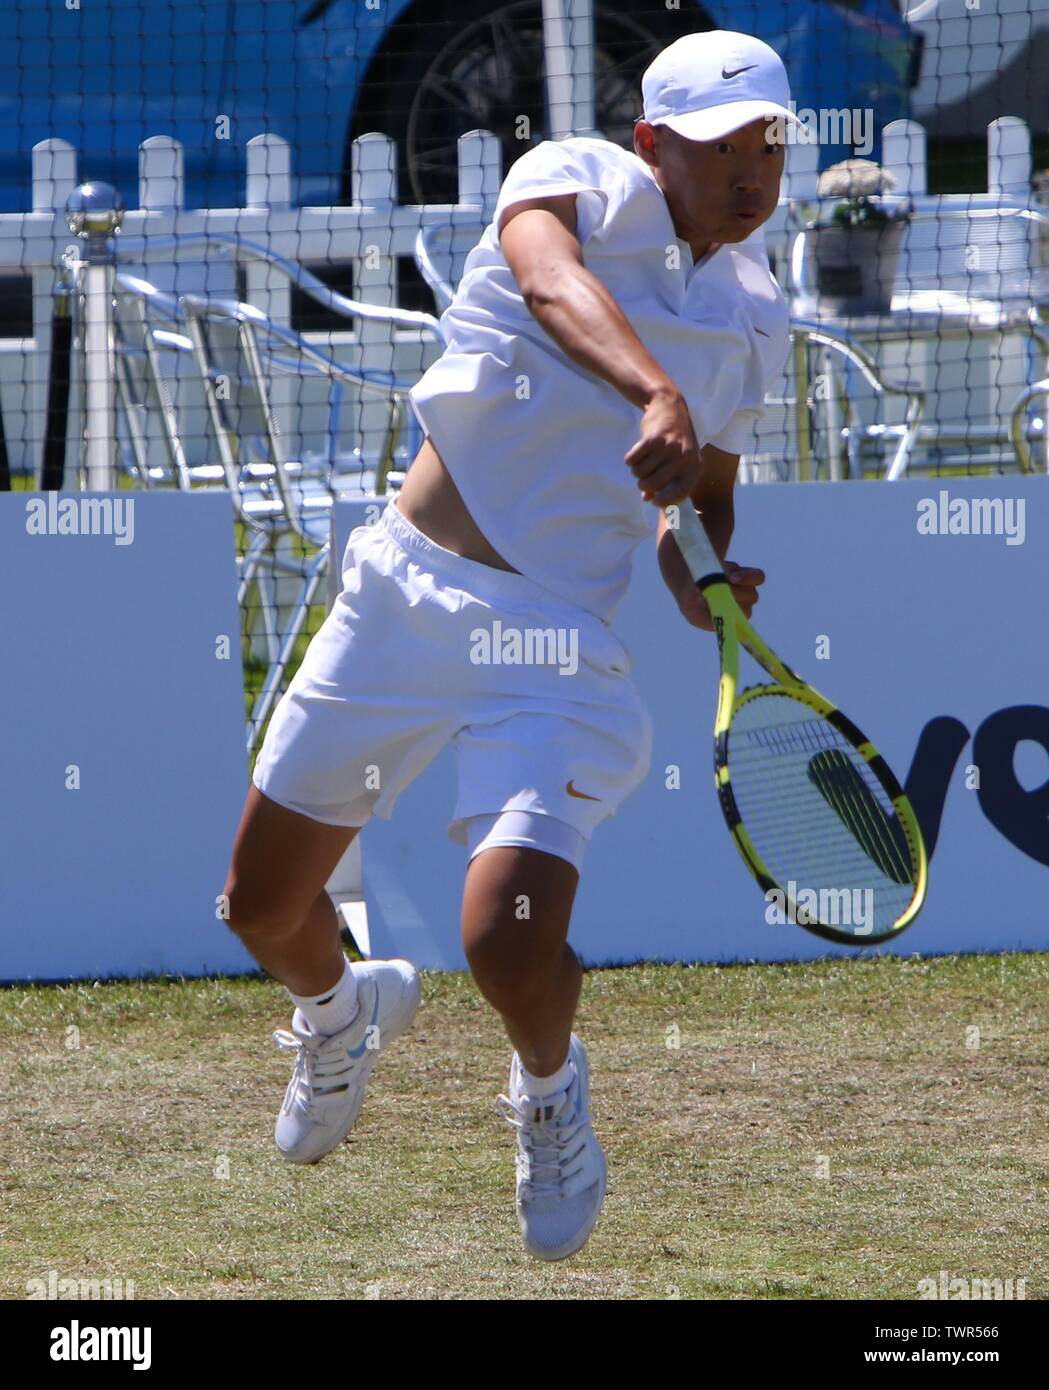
x: 854, y: 178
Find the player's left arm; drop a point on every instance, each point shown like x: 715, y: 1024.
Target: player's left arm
x: 712, y: 498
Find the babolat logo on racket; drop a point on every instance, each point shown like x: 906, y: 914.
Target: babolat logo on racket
x: 878, y: 833
x: 719, y: 629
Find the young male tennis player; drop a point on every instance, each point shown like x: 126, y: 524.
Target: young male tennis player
x: 610, y: 344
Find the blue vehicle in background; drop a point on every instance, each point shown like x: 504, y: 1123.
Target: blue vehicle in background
x: 320, y: 72
x: 215, y: 73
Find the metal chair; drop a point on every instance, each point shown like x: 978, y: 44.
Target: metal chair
x: 214, y: 364
x: 440, y: 254
x: 803, y: 410
x: 1019, y: 432
x: 967, y: 274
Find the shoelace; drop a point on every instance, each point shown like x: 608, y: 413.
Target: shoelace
x: 313, y: 1067
x: 546, y: 1146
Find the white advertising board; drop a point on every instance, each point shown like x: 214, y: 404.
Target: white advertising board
x: 122, y: 760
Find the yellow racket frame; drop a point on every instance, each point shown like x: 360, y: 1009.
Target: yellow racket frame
x: 734, y: 630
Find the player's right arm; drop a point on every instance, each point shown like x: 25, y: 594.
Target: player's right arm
x: 538, y: 239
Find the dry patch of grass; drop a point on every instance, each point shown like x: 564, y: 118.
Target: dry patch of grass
x: 836, y: 1130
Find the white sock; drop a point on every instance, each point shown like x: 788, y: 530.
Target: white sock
x: 539, y: 1087
x: 335, y: 1008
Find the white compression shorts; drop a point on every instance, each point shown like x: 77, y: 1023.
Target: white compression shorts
x: 532, y: 832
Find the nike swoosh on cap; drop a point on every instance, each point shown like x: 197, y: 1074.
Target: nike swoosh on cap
x: 572, y: 792
x: 736, y: 72
x: 762, y: 332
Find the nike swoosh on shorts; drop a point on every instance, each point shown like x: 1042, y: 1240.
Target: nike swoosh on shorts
x: 585, y: 795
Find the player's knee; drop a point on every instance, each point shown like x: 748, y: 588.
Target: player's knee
x: 255, y: 915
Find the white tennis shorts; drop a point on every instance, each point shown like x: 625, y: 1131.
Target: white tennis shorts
x: 424, y: 648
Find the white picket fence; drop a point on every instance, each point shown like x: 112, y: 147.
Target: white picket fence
x: 374, y: 231
x: 371, y: 232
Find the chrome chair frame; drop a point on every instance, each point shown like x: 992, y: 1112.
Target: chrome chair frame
x: 941, y: 313
x: 277, y: 500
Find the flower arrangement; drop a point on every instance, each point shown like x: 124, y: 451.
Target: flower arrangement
x: 856, y: 182
x: 853, y: 238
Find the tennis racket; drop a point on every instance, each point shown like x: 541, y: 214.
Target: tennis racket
x: 816, y: 813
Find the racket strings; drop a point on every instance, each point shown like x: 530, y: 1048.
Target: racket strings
x: 874, y: 832
x: 816, y: 813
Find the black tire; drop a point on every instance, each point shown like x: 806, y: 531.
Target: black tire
x: 449, y: 66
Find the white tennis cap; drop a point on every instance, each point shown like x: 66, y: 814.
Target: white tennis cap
x: 706, y: 85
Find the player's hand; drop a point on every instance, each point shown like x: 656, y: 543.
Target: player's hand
x: 744, y: 580
x: 666, y: 460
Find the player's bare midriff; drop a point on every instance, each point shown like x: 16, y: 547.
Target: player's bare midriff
x: 431, y: 501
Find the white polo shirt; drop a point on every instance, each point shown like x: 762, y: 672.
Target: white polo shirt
x: 534, y: 443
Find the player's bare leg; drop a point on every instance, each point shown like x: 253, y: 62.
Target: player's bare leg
x: 516, y: 909
x: 275, y: 888
x: 344, y: 1014
x: 522, y: 963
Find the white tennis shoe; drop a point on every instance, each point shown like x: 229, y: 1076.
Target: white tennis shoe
x: 561, y: 1168
x: 331, y: 1073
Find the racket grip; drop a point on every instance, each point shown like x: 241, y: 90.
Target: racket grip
x: 694, y: 543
